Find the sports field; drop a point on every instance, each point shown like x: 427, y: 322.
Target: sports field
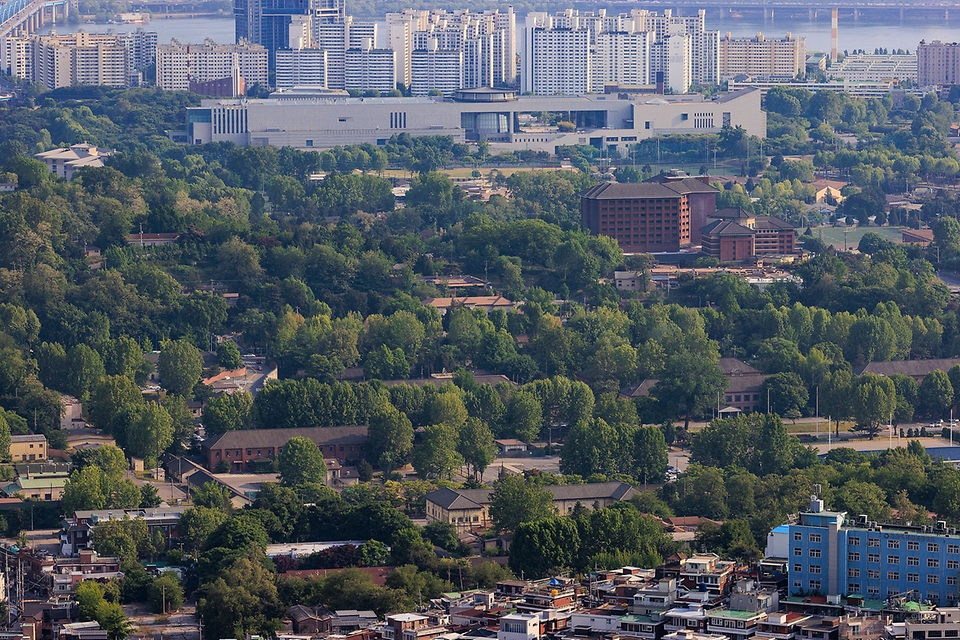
x: 835, y: 235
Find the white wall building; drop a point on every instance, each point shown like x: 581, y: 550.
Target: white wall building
x: 142, y: 46
x: 865, y: 67
x: 325, y: 121
x: 335, y: 38
x: 519, y: 626
x: 621, y: 57
x: 16, y: 57
x: 556, y: 60
x: 62, y: 61
x: 301, y: 68
x: 436, y: 69
x: 180, y: 64
x: 678, y: 68
x: 367, y: 68
x: 762, y: 57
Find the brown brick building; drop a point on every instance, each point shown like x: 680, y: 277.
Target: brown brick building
x: 664, y: 214
x: 243, y: 448
x: 734, y: 235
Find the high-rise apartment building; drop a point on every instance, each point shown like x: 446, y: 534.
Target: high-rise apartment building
x: 62, y: 61
x: 487, y: 42
x: 704, y: 44
x: 301, y: 68
x: 938, y: 63
x: 576, y: 52
x: 267, y: 22
x: 16, y: 57
x: 555, y: 59
x: 436, y: 69
x: 335, y: 38
x: 179, y: 65
x: 368, y: 68
x: 622, y: 58
x: 142, y: 46
x: 763, y: 58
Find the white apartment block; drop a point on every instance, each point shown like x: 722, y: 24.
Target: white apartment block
x: 335, y: 38
x: 301, y: 68
x: 142, y: 46
x: 436, y: 69
x: 678, y: 70
x: 399, y: 37
x: 763, y: 58
x: 487, y: 40
x: 704, y: 45
x: 865, y: 67
x: 621, y: 57
x: 77, y: 58
x: 556, y: 60
x: 370, y: 69
x: 180, y: 64
x: 16, y: 57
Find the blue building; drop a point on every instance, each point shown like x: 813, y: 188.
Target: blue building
x: 829, y: 554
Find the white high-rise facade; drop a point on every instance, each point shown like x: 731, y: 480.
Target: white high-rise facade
x: 368, y: 68
x: 556, y: 55
x: 301, y: 68
x: 180, y: 64
x: 678, y: 70
x: 622, y: 58
x: 436, y: 69
x: 335, y: 38
x: 62, y: 61
x: 577, y: 52
x: 704, y: 45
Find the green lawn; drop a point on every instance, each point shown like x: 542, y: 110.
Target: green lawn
x: 834, y: 235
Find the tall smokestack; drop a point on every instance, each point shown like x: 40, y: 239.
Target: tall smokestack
x: 834, y: 22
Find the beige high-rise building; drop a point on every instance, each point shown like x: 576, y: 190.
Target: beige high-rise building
x: 63, y: 61
x: 367, y: 68
x: 938, y: 63
x: 180, y: 64
x: 763, y: 58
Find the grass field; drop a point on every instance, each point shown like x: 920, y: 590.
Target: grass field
x: 834, y: 235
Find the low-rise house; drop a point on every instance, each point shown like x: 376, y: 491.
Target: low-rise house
x: 519, y: 626
x: 72, y: 416
x: 468, y: 508
x: 736, y: 625
x: 410, y: 626
x: 75, y: 534
x: 702, y: 572
x: 656, y: 597
x: 510, y: 446
x: 487, y: 303
x: 242, y: 449
x: 69, y: 572
x: 748, y: 595
x: 66, y: 160
x: 779, y: 626
x: 143, y: 240
x: 309, y: 621
x: 916, y: 369
x: 693, y: 619
x: 28, y: 447
x: 82, y: 631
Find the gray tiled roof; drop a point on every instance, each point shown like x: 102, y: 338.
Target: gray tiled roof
x: 260, y: 438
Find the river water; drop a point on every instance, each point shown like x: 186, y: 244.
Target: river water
x: 869, y: 32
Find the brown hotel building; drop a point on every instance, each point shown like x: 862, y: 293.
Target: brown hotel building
x: 648, y: 217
